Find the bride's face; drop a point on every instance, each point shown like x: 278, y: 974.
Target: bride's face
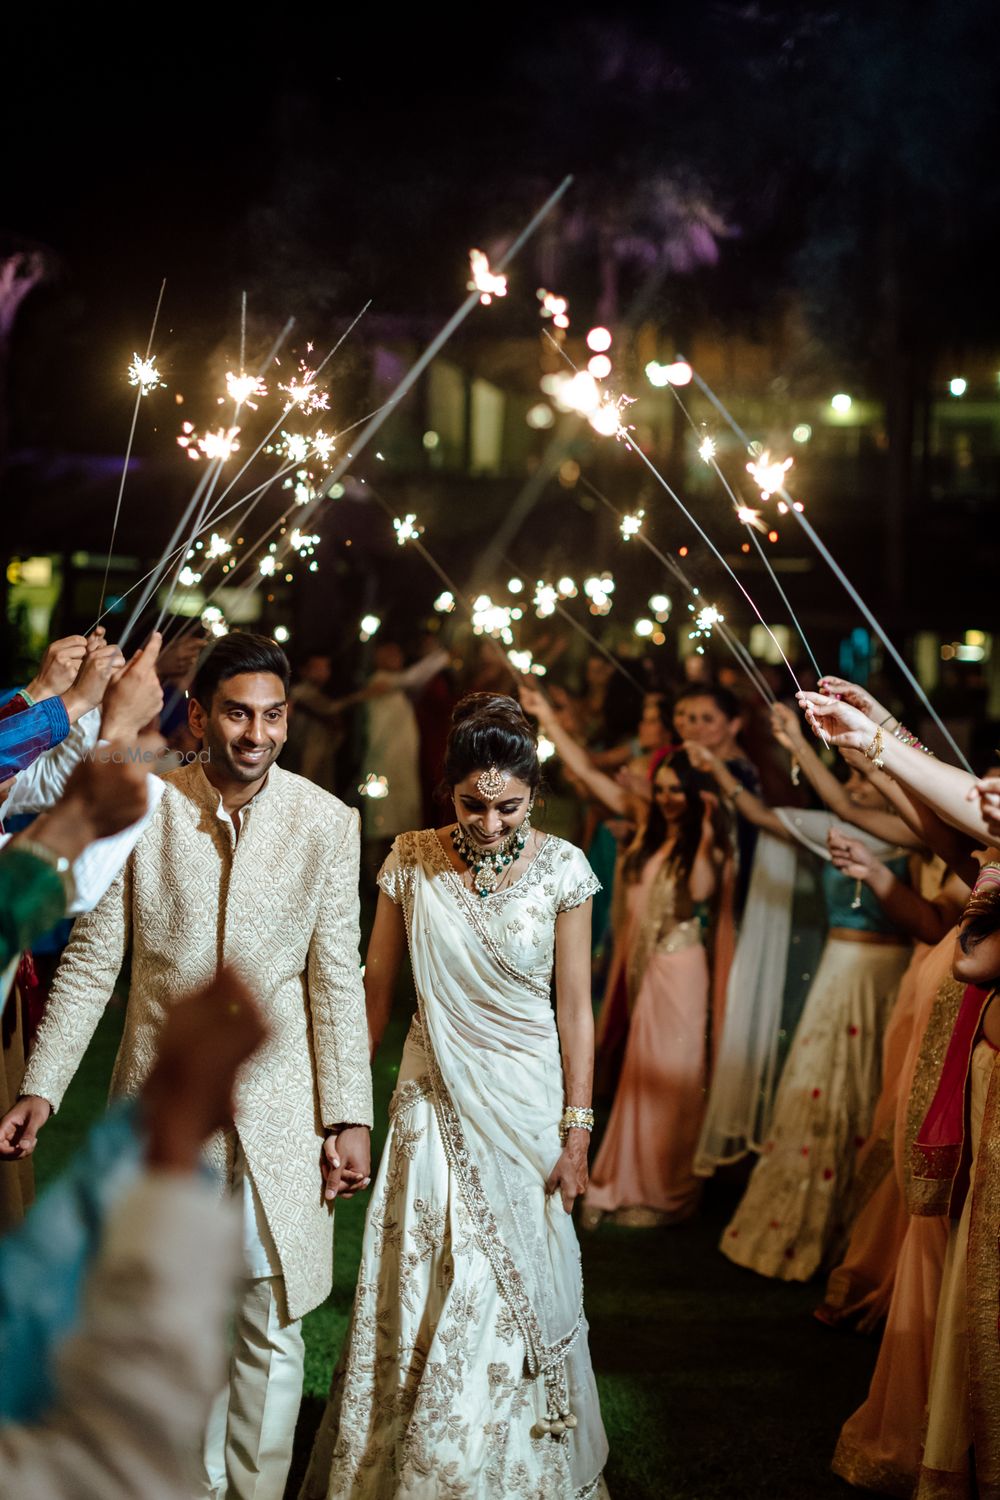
x: 487, y: 821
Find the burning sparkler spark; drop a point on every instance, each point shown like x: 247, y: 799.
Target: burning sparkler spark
x: 492, y: 619
x: 303, y: 542
x: 144, y: 374
x: 407, y: 529
x: 545, y: 600
x: 304, y: 393
x: 242, y: 388
x: 768, y: 473
x: 214, y: 621
x: 607, y: 419
x: 323, y: 446
x: 445, y: 603
x: 599, y: 592
x: 369, y: 626
x: 267, y: 566
x: 556, y: 308
x: 217, y: 547
x: 750, y: 517
x: 706, y: 450
x: 483, y: 280
x: 374, y: 786
x: 704, y: 622
x: 524, y: 662
x: 632, y: 525
x: 221, y: 444
x: 545, y: 749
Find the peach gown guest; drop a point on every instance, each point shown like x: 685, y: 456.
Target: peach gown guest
x: 645, y: 1166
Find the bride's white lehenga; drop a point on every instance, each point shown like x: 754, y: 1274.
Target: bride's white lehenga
x: 468, y: 1326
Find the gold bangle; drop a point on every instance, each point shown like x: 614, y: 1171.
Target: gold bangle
x: 874, y: 751
x: 575, y: 1118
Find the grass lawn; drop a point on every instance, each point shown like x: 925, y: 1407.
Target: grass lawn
x: 714, y: 1382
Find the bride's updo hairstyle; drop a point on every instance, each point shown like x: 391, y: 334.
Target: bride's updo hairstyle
x: 490, y: 729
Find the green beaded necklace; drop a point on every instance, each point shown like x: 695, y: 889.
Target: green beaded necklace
x: 488, y: 865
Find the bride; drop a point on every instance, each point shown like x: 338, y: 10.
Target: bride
x: 466, y: 1373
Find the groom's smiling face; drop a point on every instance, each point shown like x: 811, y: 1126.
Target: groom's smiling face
x: 245, y: 726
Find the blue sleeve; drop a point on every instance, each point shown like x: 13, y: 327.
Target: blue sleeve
x: 26, y: 736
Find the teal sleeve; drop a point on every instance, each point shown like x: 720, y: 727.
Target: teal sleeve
x: 32, y: 899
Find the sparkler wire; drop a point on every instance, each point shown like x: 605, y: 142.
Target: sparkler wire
x: 128, y: 450
x: 736, y: 646
x: 841, y: 576
x: 752, y: 535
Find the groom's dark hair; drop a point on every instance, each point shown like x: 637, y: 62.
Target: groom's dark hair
x: 232, y: 656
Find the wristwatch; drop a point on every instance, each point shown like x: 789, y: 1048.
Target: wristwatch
x: 58, y: 862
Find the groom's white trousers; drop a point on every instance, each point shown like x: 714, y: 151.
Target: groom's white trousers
x: 248, y: 1442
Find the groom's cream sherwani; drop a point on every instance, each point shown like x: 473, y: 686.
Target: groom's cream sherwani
x: 281, y: 903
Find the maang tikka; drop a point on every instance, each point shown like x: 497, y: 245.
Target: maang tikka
x: 491, y: 784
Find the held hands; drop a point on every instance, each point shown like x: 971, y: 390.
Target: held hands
x: 569, y: 1176
x: 346, y: 1161
x: 20, y: 1126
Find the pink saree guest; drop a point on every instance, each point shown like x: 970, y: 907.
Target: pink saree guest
x: 645, y: 1166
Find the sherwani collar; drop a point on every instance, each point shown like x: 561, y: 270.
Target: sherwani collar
x: 210, y: 798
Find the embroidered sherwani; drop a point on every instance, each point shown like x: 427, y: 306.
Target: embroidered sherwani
x: 281, y: 904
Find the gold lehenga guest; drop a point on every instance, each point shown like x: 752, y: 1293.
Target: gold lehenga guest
x: 466, y: 1368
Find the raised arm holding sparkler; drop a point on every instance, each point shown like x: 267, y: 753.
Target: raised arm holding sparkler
x: 971, y: 805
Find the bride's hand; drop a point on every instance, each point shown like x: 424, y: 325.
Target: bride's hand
x: 570, y: 1175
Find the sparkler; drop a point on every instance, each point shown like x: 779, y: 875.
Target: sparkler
x: 632, y: 525
x: 441, y: 338
x: 214, y: 621
x: 626, y: 437
x: 242, y: 388
x: 526, y: 664
x: 369, y: 627
x: 407, y: 529
x: 704, y: 623
x: 546, y: 600
x: 706, y: 449
x: 374, y: 786
x: 144, y: 374
x: 304, y: 393
x: 445, y: 603
x: 220, y: 444
x: 268, y: 565
x: 141, y: 374
x: 484, y: 281
x: 769, y: 473
x: 840, y: 575
x: 494, y: 620
x: 735, y: 646
x: 556, y: 308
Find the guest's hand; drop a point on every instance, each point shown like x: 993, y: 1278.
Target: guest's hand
x: 176, y: 662
x: 570, y: 1174
x: 96, y: 671
x: 346, y: 1161
x: 857, y: 697
x: 786, y: 727
x: 850, y: 856
x: 134, y: 698
x: 700, y: 758
x: 843, y: 724
x: 60, y: 664
x: 534, y: 702
x: 987, y: 792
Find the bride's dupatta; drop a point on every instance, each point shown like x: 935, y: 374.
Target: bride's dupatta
x: 497, y: 1085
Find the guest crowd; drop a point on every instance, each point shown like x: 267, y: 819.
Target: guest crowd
x: 794, y: 944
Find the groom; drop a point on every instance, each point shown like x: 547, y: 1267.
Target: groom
x: 242, y: 864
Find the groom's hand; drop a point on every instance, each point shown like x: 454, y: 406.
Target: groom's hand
x: 346, y: 1161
